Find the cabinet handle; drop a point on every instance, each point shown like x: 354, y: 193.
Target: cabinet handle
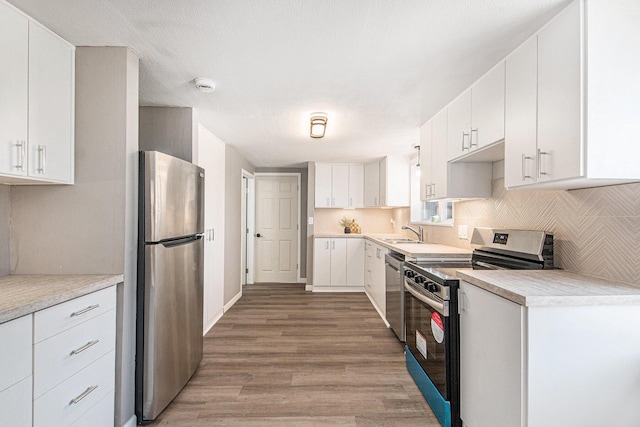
x: 524, y: 159
x: 350, y: 201
x: 328, y: 202
x: 375, y: 201
x: 84, y: 310
x: 427, y: 188
x: 84, y: 347
x: 433, y: 190
x: 84, y: 394
x: 20, y: 145
x: 333, y: 201
x: 463, y: 146
x: 333, y: 244
x: 327, y: 244
x: 471, y: 144
x: 42, y: 159
x: 539, y: 156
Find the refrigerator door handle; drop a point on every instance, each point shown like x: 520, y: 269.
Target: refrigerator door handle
x: 182, y: 241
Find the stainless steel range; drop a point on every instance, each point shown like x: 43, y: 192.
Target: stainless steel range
x: 431, y: 310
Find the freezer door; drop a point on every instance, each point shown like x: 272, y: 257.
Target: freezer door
x: 172, y: 321
x: 173, y: 197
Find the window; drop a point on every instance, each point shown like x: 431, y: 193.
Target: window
x: 439, y: 212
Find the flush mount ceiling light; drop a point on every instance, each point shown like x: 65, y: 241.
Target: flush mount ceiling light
x: 205, y: 85
x: 318, y: 125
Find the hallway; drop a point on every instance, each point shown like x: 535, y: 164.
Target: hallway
x: 285, y: 357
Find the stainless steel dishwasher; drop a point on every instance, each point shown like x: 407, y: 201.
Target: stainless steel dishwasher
x: 394, y: 293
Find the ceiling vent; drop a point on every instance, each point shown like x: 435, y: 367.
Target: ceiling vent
x: 204, y: 84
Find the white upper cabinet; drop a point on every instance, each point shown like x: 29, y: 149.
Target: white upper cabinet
x: 36, y: 102
x: 14, y: 38
x: 521, y: 115
x: 395, y: 174
x: 51, y: 101
x: 441, y: 179
x: 476, y: 117
x: 339, y: 186
x: 587, y: 100
x: 372, y: 184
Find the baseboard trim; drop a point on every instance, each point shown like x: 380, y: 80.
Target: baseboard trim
x: 131, y: 422
x: 213, y: 322
x: 228, y: 305
x: 308, y: 287
x: 338, y: 289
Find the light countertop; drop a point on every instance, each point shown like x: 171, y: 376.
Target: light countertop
x: 27, y: 293
x: 412, y: 250
x: 539, y: 288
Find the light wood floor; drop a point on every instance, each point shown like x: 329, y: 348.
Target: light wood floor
x: 285, y: 357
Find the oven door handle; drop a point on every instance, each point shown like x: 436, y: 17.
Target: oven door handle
x: 425, y: 299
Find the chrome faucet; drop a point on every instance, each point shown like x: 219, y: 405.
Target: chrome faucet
x: 418, y: 231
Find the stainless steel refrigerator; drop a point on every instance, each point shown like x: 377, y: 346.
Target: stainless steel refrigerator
x: 170, y: 280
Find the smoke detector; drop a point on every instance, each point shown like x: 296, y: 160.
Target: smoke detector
x: 204, y: 84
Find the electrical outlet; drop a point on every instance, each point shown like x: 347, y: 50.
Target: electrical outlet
x: 462, y: 231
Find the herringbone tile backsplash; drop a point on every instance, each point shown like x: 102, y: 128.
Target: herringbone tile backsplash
x: 596, y: 230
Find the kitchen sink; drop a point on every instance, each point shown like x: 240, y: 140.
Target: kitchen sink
x: 400, y: 241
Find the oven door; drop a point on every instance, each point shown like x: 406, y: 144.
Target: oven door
x: 428, y: 334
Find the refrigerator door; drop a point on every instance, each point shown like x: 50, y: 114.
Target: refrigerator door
x: 173, y: 197
x: 172, y: 319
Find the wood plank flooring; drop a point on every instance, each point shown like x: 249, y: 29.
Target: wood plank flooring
x: 285, y: 357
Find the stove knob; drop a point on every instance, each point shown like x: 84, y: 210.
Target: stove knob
x: 419, y: 279
x: 432, y: 287
x: 409, y: 273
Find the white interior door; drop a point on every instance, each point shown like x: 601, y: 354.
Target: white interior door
x: 277, y: 228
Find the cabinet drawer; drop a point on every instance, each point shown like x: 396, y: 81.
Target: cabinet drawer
x: 63, y: 316
x: 15, y: 405
x: 67, y: 402
x: 100, y: 415
x: 15, y: 351
x: 59, y: 357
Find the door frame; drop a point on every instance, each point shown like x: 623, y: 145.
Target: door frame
x: 247, y: 224
x: 299, y: 183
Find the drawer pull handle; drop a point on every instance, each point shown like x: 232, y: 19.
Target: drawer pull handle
x: 84, y: 394
x: 83, y: 311
x: 84, y: 347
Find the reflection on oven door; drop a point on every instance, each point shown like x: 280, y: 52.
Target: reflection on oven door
x: 428, y: 348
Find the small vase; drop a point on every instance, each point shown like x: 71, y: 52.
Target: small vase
x: 347, y: 230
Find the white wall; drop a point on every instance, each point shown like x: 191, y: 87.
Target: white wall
x: 234, y: 164
x: 169, y: 130
x: 91, y: 227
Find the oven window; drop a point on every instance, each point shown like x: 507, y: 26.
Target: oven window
x: 427, y: 336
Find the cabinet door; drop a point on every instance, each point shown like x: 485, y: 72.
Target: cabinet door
x: 425, y: 161
x: 372, y: 184
x: 491, y: 334
x: 339, y: 262
x: 382, y: 181
x: 356, y: 186
x: 520, y: 121
x: 339, y: 186
x: 15, y: 350
x: 321, y: 262
x: 559, y: 97
x: 395, y: 176
x: 323, y: 185
x: 51, y: 101
x: 15, y: 405
x: 487, y: 108
x: 439, y: 165
x: 14, y: 39
x: 459, y: 125
x: 355, y: 261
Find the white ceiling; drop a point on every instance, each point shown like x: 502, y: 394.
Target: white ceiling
x: 379, y: 68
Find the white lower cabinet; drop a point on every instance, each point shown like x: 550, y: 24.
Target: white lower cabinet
x: 375, y: 276
x: 547, y: 366
x: 15, y: 372
x: 338, y: 263
x: 57, y: 366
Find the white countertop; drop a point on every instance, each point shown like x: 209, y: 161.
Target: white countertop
x: 27, y: 293
x: 536, y: 288
x: 411, y: 250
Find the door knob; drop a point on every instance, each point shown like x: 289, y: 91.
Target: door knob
x: 258, y: 235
